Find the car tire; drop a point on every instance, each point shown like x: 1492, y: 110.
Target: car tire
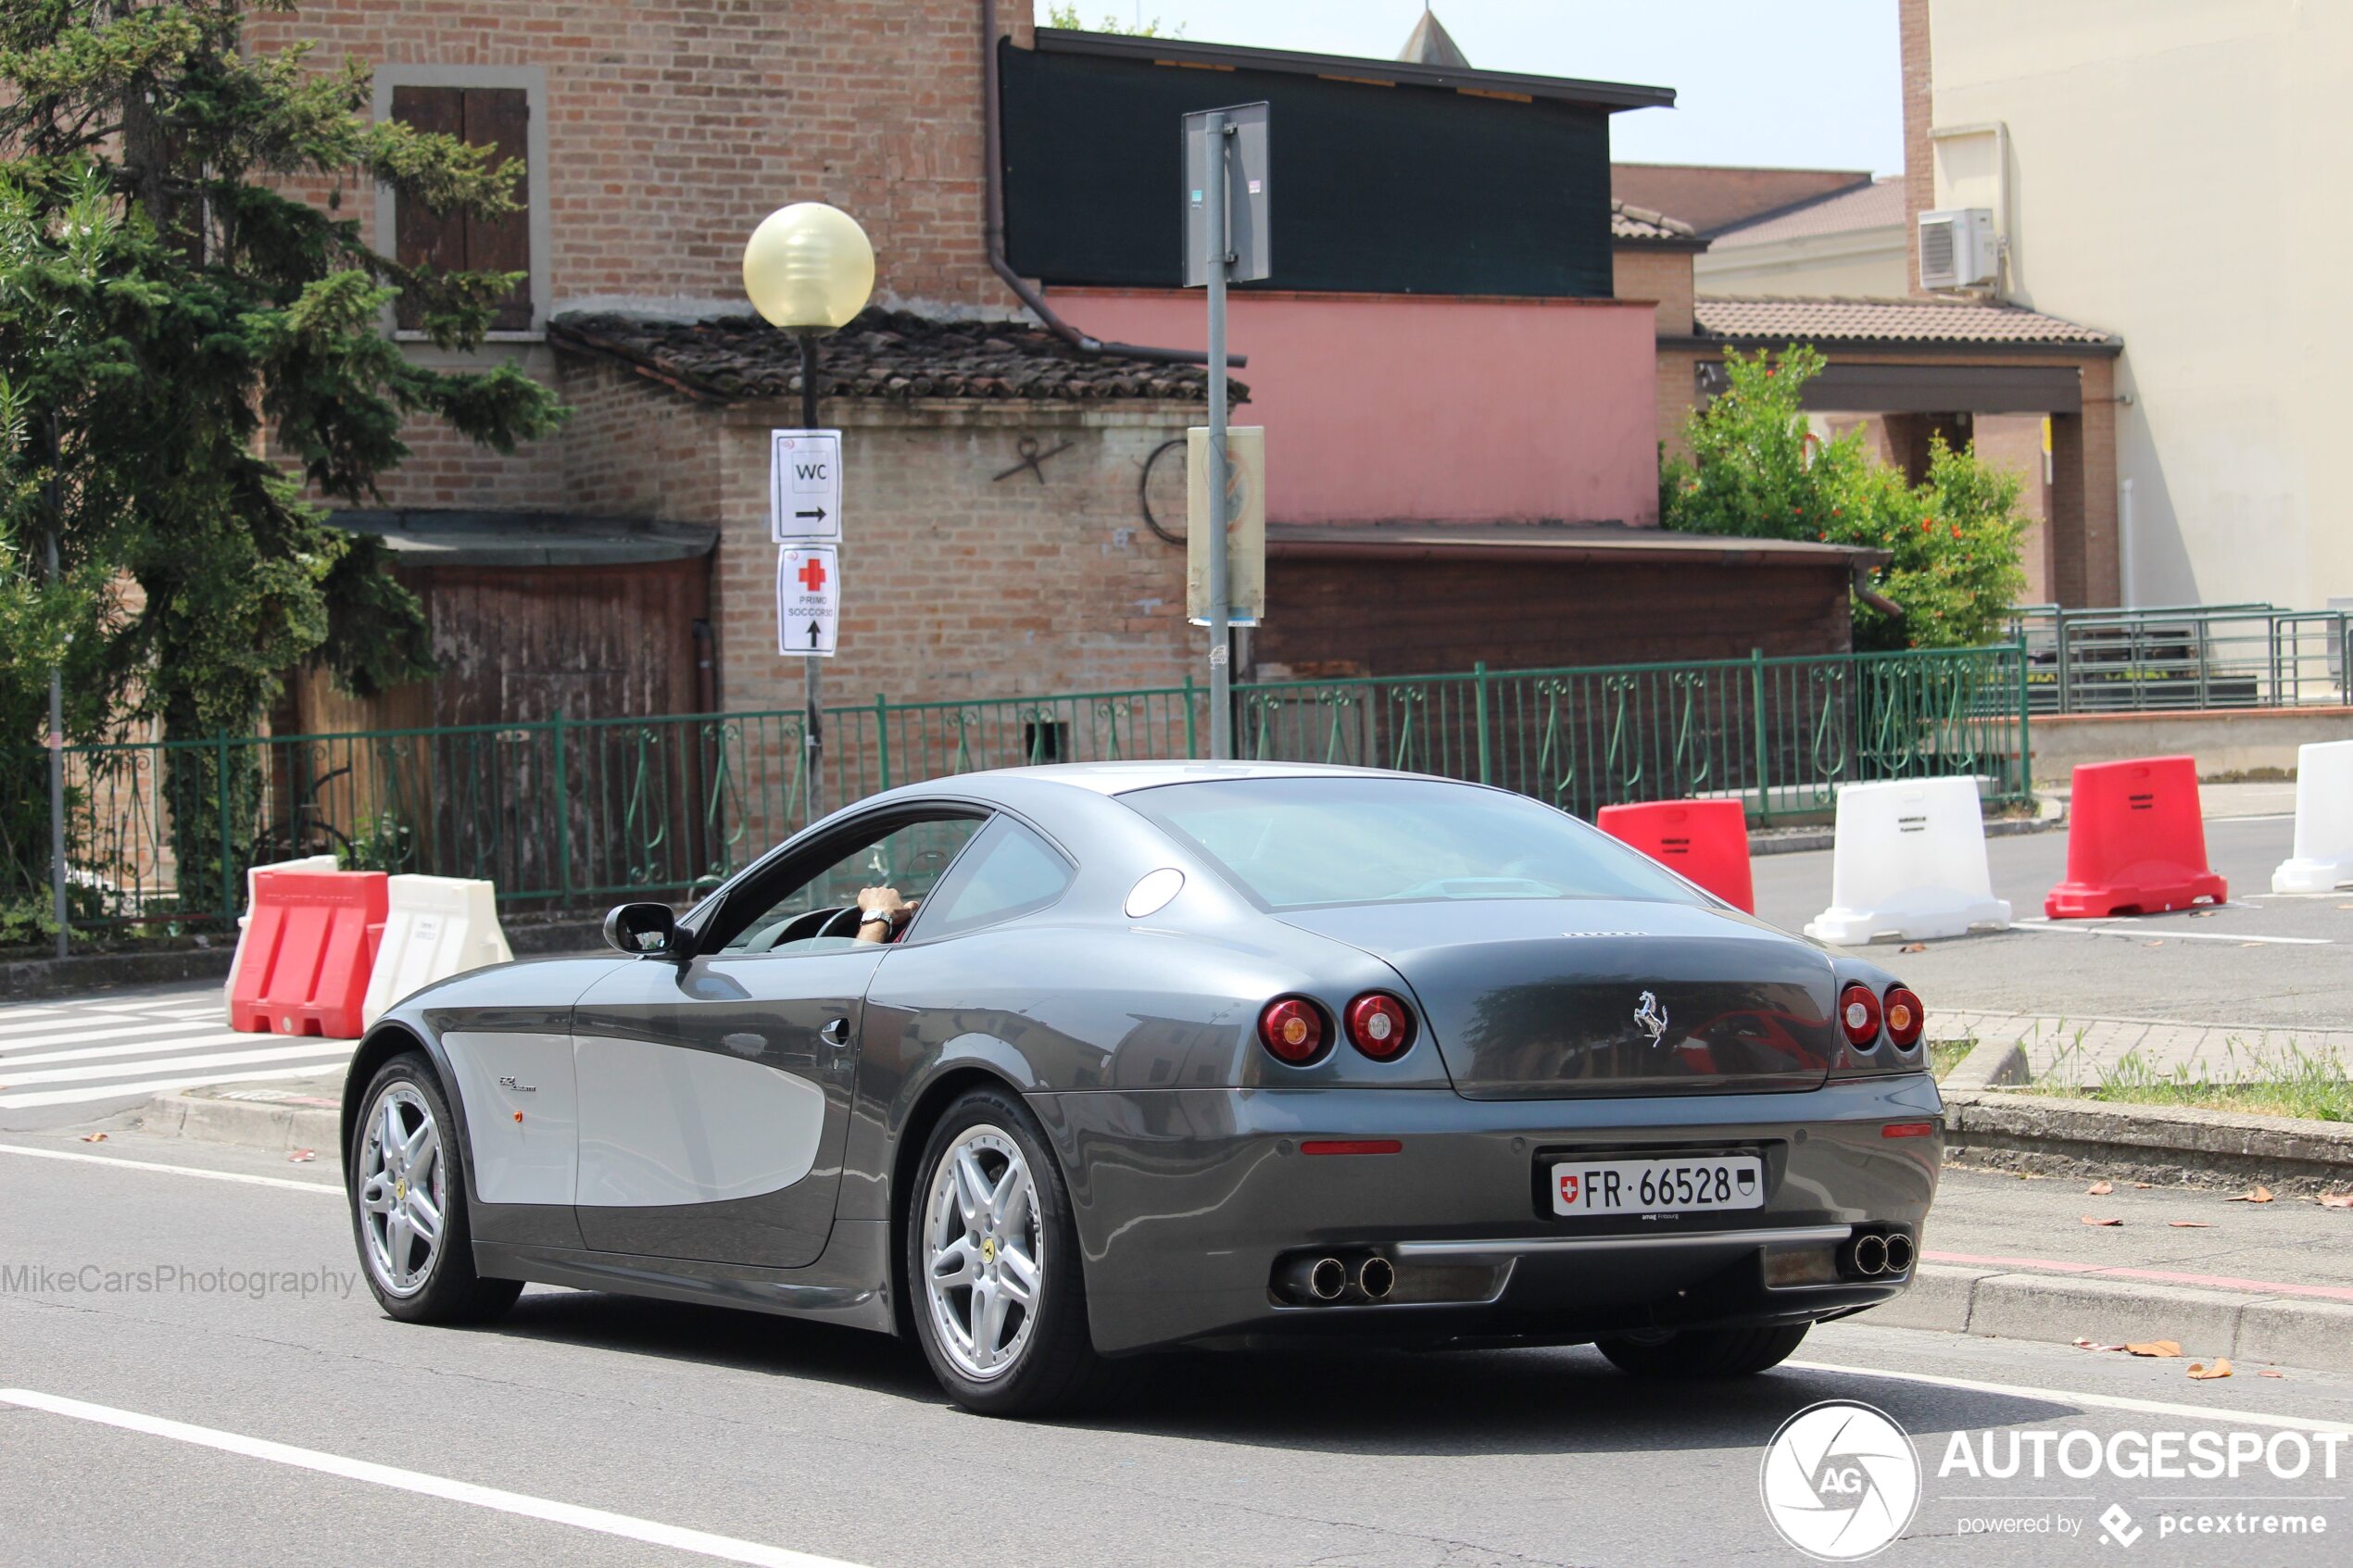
x: 433, y: 1278
x: 1706, y: 1352
x: 1047, y: 1364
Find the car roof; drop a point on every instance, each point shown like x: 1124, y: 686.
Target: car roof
x: 1120, y: 778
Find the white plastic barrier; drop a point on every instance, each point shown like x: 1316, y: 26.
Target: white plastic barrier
x: 2324, y: 856
x: 307, y: 863
x: 436, y: 926
x: 1909, y: 864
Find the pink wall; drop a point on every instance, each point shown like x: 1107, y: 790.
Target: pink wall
x: 1405, y: 406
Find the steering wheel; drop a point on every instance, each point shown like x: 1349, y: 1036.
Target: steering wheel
x: 809, y: 925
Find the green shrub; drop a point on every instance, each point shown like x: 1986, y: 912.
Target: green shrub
x: 1755, y: 472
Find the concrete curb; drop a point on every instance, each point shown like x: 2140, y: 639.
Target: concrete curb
x: 26, y: 979
x: 2052, y: 1136
x: 274, y: 1126
x: 1991, y: 1303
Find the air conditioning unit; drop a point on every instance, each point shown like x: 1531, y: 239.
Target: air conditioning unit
x: 1959, y: 250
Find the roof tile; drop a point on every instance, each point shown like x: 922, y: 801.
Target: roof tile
x: 1641, y: 223
x: 893, y: 355
x: 1884, y: 320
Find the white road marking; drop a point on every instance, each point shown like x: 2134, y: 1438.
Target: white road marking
x: 2100, y: 1402
x: 77, y: 1019
x: 211, y: 1010
x: 2088, y: 928
x: 76, y: 1035
x: 156, y: 1086
x: 13, y: 1078
x: 239, y: 1177
x: 725, y: 1549
x: 10, y: 1061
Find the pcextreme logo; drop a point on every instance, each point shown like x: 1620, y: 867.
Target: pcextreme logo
x: 1840, y: 1480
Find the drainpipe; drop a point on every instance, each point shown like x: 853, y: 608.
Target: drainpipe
x: 995, y: 184
x: 1861, y: 578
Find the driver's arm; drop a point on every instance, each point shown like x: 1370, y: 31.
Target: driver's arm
x: 881, y: 912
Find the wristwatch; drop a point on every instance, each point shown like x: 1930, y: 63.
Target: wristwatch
x: 871, y: 916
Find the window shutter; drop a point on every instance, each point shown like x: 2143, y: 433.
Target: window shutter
x: 499, y: 117
x: 421, y: 237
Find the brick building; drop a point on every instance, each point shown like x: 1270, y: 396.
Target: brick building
x: 994, y: 541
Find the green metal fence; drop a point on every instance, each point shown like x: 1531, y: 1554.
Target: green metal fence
x: 570, y: 814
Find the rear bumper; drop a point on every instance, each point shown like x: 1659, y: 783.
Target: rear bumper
x: 1187, y: 1199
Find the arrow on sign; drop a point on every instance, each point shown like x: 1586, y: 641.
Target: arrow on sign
x: 812, y: 633
x: 818, y: 514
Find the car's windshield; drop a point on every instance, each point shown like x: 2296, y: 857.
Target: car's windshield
x: 1301, y: 841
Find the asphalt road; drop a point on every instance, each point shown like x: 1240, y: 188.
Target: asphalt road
x: 775, y: 1437
x: 2263, y: 960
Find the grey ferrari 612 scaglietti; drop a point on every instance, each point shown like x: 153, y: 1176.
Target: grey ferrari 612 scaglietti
x: 1051, y: 1065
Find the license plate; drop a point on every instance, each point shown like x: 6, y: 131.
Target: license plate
x: 1650, y: 1186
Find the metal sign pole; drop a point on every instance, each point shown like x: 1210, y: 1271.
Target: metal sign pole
x: 58, y: 768
x: 1221, y: 705
x: 815, y: 731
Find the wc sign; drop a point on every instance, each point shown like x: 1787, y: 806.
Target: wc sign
x: 804, y: 485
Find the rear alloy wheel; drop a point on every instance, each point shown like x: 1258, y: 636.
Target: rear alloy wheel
x: 1000, y: 1303
x: 1705, y: 1352
x: 408, y: 1190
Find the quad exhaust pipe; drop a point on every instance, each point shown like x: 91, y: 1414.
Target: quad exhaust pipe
x: 1322, y: 1280
x: 1873, y: 1256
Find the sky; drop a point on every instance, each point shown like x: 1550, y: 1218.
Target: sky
x: 1794, y: 84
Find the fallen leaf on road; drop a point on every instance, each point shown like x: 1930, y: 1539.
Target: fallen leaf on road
x: 2096, y: 1345
x: 2253, y: 1195
x: 2203, y: 914
x: 2335, y: 1201
x: 301, y: 1157
x: 2221, y: 1368
x: 2161, y: 1349
x: 2191, y: 1225
x: 2267, y: 1372
x: 2157, y: 943
x: 1913, y: 947
x: 2143, y: 1186
x: 2097, y: 1220
x: 2099, y: 1190
x: 93, y: 1137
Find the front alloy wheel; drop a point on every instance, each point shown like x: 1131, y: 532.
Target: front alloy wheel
x: 406, y: 1177
x: 996, y: 1291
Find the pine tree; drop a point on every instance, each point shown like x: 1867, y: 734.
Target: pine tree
x: 189, y: 345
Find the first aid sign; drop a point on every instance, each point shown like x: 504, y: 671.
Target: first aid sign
x: 804, y: 485
x: 807, y: 600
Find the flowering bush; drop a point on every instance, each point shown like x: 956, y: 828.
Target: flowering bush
x: 1755, y: 471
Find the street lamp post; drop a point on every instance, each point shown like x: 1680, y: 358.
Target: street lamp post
x: 808, y: 268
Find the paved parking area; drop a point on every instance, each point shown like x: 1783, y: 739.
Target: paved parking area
x: 2262, y: 972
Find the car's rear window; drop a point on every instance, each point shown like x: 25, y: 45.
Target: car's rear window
x: 1296, y: 842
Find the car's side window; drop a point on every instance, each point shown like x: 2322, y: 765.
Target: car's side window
x: 819, y: 913
x: 1010, y: 872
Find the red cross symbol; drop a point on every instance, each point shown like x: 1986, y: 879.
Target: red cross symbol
x: 812, y: 574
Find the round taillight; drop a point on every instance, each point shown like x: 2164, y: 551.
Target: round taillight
x: 1379, y: 1026
x: 1905, y: 1017
x: 1294, y: 1030
x: 1858, y: 1016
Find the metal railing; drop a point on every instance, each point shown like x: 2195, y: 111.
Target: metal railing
x: 568, y: 814
x: 2181, y: 657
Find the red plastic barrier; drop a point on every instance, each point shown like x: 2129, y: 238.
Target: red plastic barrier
x: 309, y: 947
x: 1705, y: 840
x: 2135, y: 843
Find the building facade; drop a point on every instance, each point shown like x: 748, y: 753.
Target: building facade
x: 2124, y: 148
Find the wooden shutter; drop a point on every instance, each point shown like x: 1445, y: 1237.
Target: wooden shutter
x: 499, y: 117
x: 422, y: 238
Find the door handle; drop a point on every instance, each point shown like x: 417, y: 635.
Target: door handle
x: 836, y: 1032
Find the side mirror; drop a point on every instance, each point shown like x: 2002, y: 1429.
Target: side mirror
x: 644, y: 931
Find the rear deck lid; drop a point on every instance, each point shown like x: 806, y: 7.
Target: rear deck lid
x: 1542, y: 999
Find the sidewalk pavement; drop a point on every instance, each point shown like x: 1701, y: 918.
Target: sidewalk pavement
x: 2082, y: 1052
x: 2013, y: 1257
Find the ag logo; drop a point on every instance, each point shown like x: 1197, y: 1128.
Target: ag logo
x: 1840, y: 1480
